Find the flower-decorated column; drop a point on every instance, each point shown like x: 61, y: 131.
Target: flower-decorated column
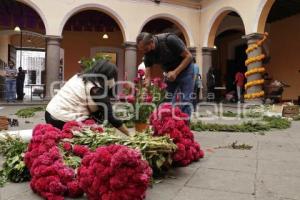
x: 255, y: 68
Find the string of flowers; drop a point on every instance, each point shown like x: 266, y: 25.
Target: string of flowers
x: 255, y: 70
x: 255, y: 95
x: 254, y: 83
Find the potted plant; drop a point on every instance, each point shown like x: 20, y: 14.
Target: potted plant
x: 144, y: 99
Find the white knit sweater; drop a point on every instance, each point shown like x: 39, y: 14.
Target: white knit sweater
x: 72, y: 101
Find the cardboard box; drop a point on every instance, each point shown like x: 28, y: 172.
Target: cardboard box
x: 290, y: 111
x: 3, y: 123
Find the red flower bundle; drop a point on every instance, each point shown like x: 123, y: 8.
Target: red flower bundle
x: 50, y: 178
x: 114, y: 172
x: 169, y: 120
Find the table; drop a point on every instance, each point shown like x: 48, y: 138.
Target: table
x: 220, y: 91
x: 33, y: 85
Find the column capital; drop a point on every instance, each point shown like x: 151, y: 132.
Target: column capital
x: 193, y: 50
x: 253, y: 36
x: 53, y: 39
x: 130, y: 45
x: 208, y: 50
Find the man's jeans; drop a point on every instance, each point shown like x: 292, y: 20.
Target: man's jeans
x: 184, y: 86
x: 239, y: 93
x: 10, y: 90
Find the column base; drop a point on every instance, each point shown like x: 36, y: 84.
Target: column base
x: 254, y: 102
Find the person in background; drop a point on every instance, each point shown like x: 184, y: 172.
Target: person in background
x: 197, y: 84
x: 10, y: 81
x: 200, y: 87
x: 20, y: 84
x: 170, y: 52
x: 239, y: 81
x: 84, y: 96
x: 211, y: 83
x: 142, y: 66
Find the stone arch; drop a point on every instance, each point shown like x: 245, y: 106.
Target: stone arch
x: 178, y: 22
x: 32, y: 5
x: 262, y: 15
x: 214, y: 24
x: 101, y: 8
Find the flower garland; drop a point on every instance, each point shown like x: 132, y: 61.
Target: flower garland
x: 255, y: 95
x: 53, y: 176
x: 254, y: 83
x: 258, y: 43
x: 255, y: 70
x: 165, y: 124
x: 114, y: 172
x: 50, y: 178
x: 255, y: 59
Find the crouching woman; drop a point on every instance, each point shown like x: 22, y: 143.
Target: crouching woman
x: 84, y: 95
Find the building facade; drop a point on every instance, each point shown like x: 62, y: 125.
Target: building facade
x: 200, y: 26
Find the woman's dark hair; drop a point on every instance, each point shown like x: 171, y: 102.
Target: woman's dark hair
x: 102, y: 67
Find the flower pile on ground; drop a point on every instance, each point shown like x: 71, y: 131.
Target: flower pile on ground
x: 157, y: 151
x: 114, y: 172
x: 168, y: 120
x: 50, y: 177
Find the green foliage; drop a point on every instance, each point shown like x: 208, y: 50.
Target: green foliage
x: 14, y: 169
x: 88, y: 63
x: 29, y: 112
x: 277, y: 122
x: 250, y: 114
x: 266, y: 124
x: 237, y: 146
x: 156, y: 150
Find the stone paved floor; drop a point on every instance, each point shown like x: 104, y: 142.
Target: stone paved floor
x: 269, y: 171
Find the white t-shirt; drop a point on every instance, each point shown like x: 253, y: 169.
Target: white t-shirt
x: 142, y: 66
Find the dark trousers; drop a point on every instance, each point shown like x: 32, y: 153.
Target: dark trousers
x: 54, y: 122
x: 196, y: 97
x: 20, y: 89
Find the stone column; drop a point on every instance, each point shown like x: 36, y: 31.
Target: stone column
x: 252, y: 39
x: 130, y: 60
x: 206, y: 64
x: 52, y: 64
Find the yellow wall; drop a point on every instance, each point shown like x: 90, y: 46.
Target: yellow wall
x: 78, y: 44
x: 4, y: 41
x: 284, y: 50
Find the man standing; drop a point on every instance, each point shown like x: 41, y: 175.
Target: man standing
x: 20, y: 84
x: 170, y: 52
x: 211, y: 84
x: 10, y: 81
x: 239, y: 81
x: 197, y: 84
